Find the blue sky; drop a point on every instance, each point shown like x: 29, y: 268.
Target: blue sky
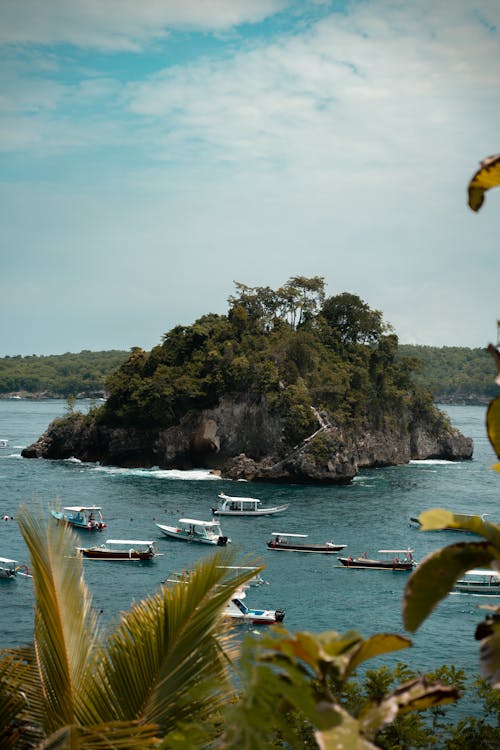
x: 153, y: 153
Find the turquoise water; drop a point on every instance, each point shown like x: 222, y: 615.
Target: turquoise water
x: 316, y: 593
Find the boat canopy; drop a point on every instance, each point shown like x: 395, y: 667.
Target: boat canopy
x: 482, y: 572
x: 7, y: 560
x: 128, y: 541
x: 295, y: 536
x: 234, y: 499
x: 395, y: 551
x: 81, y: 508
x: 193, y: 522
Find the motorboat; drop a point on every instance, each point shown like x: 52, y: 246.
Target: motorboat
x: 244, y: 506
x: 88, y: 517
x: 479, y: 581
x: 393, y: 559
x: 415, y: 522
x: 238, y: 611
x: 122, y: 549
x: 193, y: 530
x: 8, y: 568
x: 297, y: 543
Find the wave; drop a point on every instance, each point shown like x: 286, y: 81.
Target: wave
x: 432, y: 462
x: 155, y: 473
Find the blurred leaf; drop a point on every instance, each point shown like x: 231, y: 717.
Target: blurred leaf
x: 347, y: 734
x: 380, y: 643
x: 493, y: 424
x: 439, y: 518
x: 415, y: 695
x: 433, y: 579
x: 486, y: 177
x: 488, y: 632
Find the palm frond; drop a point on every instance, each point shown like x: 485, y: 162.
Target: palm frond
x: 66, y: 628
x: 166, y: 660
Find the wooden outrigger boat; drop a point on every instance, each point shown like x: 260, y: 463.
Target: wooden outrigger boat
x: 10, y: 569
x: 244, y: 506
x: 87, y: 517
x: 396, y: 559
x: 122, y: 549
x: 296, y: 543
x: 192, y: 530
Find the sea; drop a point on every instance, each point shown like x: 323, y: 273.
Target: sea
x: 317, y: 593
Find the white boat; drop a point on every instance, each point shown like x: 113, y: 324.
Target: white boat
x: 88, y: 517
x: 479, y: 581
x: 137, y: 550
x: 237, y: 610
x: 193, y: 530
x: 244, y: 506
x: 8, y: 568
x: 298, y: 543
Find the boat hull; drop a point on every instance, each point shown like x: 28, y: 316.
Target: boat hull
x: 359, y: 562
x: 260, y: 512
x: 102, y: 554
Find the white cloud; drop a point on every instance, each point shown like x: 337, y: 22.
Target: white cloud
x: 116, y: 25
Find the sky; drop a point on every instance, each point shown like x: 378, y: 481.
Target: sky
x: 154, y: 153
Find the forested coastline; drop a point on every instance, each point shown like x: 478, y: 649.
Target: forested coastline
x: 453, y: 374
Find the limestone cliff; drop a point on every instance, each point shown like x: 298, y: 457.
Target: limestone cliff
x: 244, y: 439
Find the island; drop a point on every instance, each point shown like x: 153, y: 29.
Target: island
x: 289, y: 385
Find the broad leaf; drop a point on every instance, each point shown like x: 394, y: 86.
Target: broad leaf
x: 415, y: 695
x: 433, y: 579
x: 488, y: 632
x: 347, y: 734
x: 439, y: 518
x: 381, y: 643
x: 493, y: 424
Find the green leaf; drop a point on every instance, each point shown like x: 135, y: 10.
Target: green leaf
x: 434, y: 577
x: 345, y: 735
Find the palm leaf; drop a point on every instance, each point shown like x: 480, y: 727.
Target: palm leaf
x: 164, y: 661
x: 486, y: 177
x: 66, y: 628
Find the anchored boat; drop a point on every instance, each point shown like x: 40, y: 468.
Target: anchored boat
x: 122, y: 549
x: 393, y: 559
x: 479, y: 581
x: 192, y: 530
x: 244, y: 506
x: 297, y: 543
x: 88, y: 517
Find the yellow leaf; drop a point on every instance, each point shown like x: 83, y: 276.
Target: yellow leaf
x: 493, y: 424
x: 486, y: 177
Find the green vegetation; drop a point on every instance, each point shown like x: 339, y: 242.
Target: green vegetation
x: 453, y: 374
x: 290, y: 346
x: 61, y: 375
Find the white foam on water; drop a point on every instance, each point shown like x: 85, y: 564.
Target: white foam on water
x: 169, y: 474
x: 433, y: 462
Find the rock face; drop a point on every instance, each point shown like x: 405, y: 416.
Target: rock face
x: 244, y: 440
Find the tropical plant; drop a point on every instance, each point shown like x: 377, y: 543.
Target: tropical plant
x: 435, y: 576
x: 131, y: 685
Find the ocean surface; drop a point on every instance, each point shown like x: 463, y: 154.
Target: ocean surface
x: 317, y: 593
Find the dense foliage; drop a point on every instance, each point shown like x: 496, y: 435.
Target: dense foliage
x: 453, y: 374
x: 80, y: 374
x: 291, y: 346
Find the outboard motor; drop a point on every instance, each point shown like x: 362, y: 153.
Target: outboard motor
x: 280, y: 615
x: 222, y: 541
